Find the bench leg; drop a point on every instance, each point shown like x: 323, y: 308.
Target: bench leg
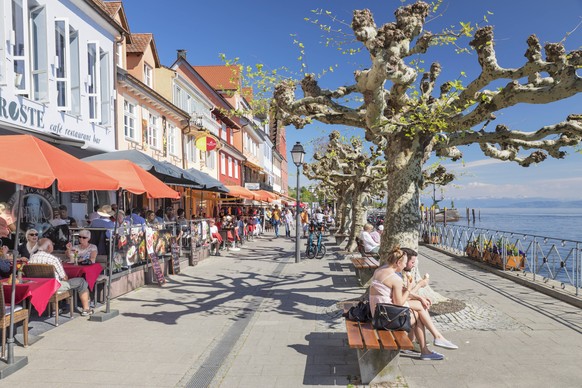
x: 378, y: 366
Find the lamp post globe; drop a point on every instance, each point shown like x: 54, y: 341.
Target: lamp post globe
x: 297, y: 154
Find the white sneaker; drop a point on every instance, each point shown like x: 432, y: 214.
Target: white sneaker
x: 443, y: 343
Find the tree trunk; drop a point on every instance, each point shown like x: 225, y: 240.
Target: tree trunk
x: 346, y: 209
x: 402, y: 218
x: 358, y: 211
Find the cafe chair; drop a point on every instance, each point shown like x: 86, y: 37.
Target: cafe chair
x: 48, y: 271
x: 20, y: 315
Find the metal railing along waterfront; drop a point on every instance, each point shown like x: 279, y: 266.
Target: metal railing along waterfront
x: 548, y: 259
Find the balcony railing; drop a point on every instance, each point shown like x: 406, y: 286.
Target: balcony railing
x: 556, y: 262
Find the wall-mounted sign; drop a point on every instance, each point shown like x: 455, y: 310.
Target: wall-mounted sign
x: 206, y: 143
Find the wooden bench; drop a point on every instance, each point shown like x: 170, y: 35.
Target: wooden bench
x: 365, y: 267
x: 378, y: 351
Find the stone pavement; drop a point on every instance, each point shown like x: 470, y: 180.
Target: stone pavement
x: 254, y: 318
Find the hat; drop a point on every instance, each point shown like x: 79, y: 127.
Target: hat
x: 105, y: 211
x: 381, y: 228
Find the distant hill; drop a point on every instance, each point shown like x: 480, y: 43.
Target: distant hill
x: 512, y: 202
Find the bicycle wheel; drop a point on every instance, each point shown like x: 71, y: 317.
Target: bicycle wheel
x: 311, y: 251
x: 321, y: 252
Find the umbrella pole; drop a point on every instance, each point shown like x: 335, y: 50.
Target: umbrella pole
x: 108, y: 314
x: 13, y: 364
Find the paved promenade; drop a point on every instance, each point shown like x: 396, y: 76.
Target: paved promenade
x: 254, y: 318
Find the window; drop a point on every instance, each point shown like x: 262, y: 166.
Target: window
x: 105, y: 87
x: 39, y: 54
x: 75, y: 71
x: 2, y: 53
x: 172, y: 139
x: 148, y: 75
x: 178, y: 97
x: 153, y: 131
x: 210, y: 159
x: 67, y: 66
x: 191, y: 149
x: 19, y: 45
x: 229, y: 166
x: 223, y: 132
x: 93, y: 81
x: 236, y: 169
x: 222, y: 164
x: 129, y: 120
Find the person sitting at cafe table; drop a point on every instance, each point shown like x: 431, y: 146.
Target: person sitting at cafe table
x: 5, y: 262
x: 64, y: 214
x: 44, y: 256
x: 84, y: 252
x: 30, y: 246
x: 152, y: 220
x: 106, y: 214
x: 216, y: 238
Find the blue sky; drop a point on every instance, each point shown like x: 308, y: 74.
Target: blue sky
x: 259, y: 31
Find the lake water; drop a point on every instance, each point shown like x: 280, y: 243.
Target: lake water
x: 558, y: 223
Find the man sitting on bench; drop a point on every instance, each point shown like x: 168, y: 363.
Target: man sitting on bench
x: 370, y: 246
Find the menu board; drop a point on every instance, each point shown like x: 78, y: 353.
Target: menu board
x: 157, y: 268
x: 175, y: 256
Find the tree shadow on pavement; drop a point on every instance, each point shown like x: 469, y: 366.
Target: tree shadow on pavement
x: 329, y: 360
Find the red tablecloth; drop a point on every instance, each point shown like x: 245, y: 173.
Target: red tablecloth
x: 39, y: 290
x: 89, y: 272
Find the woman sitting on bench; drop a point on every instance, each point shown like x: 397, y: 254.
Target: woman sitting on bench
x: 370, y: 246
x: 387, y: 287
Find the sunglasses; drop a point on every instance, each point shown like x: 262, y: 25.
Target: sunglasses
x: 33, y: 234
x: 83, y: 237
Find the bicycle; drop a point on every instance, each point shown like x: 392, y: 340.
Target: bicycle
x: 315, y: 249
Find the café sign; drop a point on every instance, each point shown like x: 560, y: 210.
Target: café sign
x: 24, y: 113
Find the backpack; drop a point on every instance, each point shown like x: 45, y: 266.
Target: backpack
x: 360, y: 312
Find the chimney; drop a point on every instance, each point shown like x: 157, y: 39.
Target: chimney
x: 182, y: 53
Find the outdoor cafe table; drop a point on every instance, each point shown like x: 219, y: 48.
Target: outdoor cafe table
x: 39, y: 290
x: 89, y: 272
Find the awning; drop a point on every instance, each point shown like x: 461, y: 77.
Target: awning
x: 135, y: 179
x: 241, y: 192
x: 32, y: 162
x: 266, y: 196
x: 208, y: 182
x: 164, y: 171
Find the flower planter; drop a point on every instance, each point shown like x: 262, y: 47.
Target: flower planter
x: 515, y: 262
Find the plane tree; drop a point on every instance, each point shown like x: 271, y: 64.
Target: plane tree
x: 355, y: 173
x: 412, y: 115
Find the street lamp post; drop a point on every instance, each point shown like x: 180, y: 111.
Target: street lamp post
x: 297, y: 153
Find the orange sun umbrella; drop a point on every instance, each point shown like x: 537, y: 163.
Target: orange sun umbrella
x: 29, y: 161
x: 135, y: 179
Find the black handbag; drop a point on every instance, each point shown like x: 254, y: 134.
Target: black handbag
x: 360, y: 312
x: 391, y: 317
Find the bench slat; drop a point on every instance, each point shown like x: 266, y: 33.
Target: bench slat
x: 387, y: 340
x: 358, y: 263
x: 369, y: 335
x: 354, y: 337
x: 371, y: 263
x: 403, y: 340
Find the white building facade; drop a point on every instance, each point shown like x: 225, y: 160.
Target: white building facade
x: 57, y: 72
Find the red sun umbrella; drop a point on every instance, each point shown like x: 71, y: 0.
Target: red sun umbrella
x: 135, y: 179
x: 29, y: 161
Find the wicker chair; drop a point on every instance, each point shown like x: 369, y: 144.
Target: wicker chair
x: 48, y: 271
x: 20, y: 315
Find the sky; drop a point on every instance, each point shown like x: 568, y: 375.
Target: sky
x: 263, y: 31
